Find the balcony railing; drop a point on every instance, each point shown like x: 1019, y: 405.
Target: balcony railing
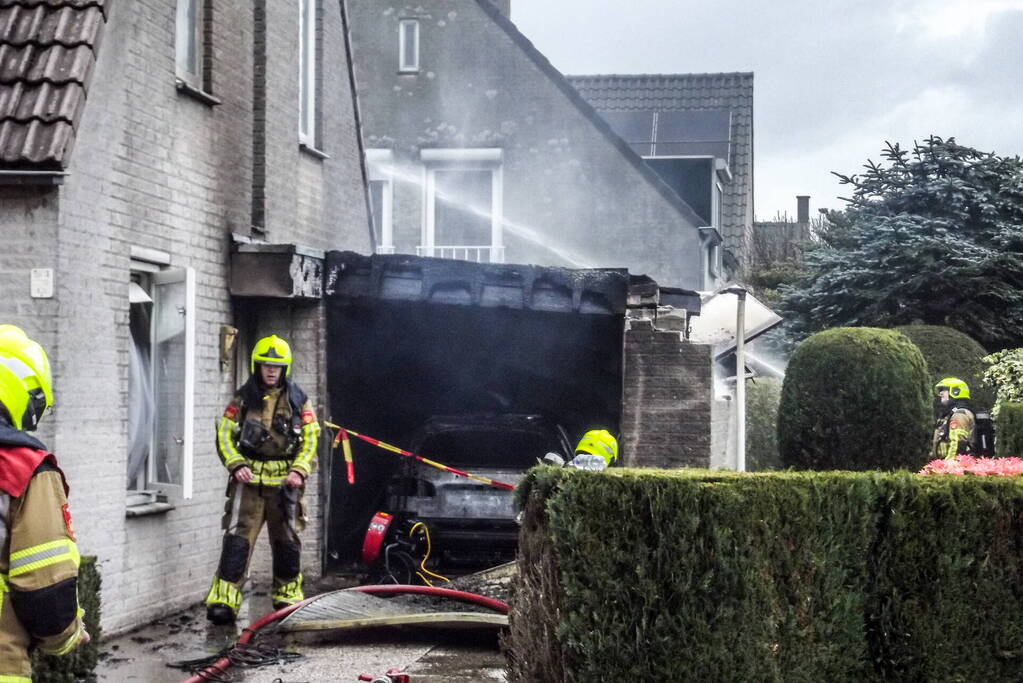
x: 477, y: 253
x: 385, y: 248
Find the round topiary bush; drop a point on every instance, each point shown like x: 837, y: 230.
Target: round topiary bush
x: 950, y: 353
x: 855, y: 398
x: 762, y: 398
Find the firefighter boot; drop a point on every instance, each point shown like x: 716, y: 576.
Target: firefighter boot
x: 220, y: 614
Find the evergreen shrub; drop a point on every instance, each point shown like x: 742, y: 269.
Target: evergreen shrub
x: 651, y: 575
x: 950, y: 353
x: 1009, y: 439
x: 855, y: 398
x: 80, y: 664
x: 762, y: 398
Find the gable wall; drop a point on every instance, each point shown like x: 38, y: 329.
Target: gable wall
x: 570, y: 196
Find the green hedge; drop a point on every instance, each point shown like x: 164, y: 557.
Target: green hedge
x: 855, y: 398
x: 762, y: 398
x: 641, y: 575
x: 950, y: 353
x: 79, y: 665
x: 1009, y: 433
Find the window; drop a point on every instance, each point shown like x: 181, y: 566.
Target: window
x: 191, y: 43
x: 464, y: 205
x: 408, y: 46
x: 379, y: 167
x: 161, y: 324
x: 307, y: 73
x: 710, y: 240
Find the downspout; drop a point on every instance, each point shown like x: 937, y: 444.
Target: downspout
x: 346, y: 29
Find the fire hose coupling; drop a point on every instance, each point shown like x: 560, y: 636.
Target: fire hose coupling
x: 392, y: 676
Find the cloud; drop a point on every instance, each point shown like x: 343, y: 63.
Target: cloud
x: 833, y: 80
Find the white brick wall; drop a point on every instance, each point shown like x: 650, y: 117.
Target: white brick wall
x: 158, y: 169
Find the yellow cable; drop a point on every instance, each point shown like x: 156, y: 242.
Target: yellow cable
x: 422, y: 565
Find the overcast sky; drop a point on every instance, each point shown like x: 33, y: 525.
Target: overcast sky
x: 833, y: 79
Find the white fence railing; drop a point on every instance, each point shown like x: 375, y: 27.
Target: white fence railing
x: 477, y: 253
x: 385, y: 249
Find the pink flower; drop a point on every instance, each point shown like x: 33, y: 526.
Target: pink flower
x: 982, y: 467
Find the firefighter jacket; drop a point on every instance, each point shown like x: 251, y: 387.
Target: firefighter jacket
x: 953, y: 434
x: 38, y: 557
x: 271, y: 431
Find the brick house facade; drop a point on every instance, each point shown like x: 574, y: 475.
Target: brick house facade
x: 190, y: 136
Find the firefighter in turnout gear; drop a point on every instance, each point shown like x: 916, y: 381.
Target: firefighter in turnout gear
x: 38, y: 556
x: 595, y: 451
x: 953, y: 433
x: 267, y: 441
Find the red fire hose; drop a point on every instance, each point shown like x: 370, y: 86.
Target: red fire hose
x: 217, y: 668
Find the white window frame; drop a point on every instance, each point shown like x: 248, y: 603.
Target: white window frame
x: 458, y: 159
x: 408, y: 64
x: 379, y: 169
x: 197, y: 32
x: 156, y: 265
x: 710, y: 256
x: 307, y: 13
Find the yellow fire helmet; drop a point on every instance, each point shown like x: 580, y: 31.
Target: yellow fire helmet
x: 599, y: 442
x: 271, y: 350
x: 26, y: 385
x: 956, y: 387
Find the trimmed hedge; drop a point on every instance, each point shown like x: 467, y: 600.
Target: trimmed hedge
x: 1009, y: 439
x: 855, y: 398
x: 693, y: 575
x: 950, y: 353
x: 762, y: 398
x: 80, y: 664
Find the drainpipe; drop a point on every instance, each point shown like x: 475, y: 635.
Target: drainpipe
x: 740, y: 378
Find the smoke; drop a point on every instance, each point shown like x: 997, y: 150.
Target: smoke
x: 526, y: 233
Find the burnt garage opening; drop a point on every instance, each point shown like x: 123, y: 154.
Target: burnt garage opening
x: 412, y: 338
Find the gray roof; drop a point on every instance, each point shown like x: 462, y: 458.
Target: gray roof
x: 693, y: 92
x: 587, y: 110
x: 47, y: 56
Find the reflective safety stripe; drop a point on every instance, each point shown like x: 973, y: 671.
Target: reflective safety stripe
x: 14, y: 679
x: 72, y: 642
x: 3, y: 589
x: 270, y: 472
x: 304, y: 459
x: 290, y: 592
x: 43, y: 555
x: 224, y: 593
x: 229, y: 453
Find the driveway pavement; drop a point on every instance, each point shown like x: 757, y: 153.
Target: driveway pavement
x: 429, y: 656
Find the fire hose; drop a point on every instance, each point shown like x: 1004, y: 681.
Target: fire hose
x: 342, y: 440
x: 217, y: 669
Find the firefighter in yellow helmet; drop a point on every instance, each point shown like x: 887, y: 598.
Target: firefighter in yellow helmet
x: 953, y: 433
x: 596, y: 451
x: 267, y: 441
x: 38, y: 555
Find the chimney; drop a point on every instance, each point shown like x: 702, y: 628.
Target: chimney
x: 802, y: 208
x: 504, y: 6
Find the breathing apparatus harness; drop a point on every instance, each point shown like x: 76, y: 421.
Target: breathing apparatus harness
x: 253, y: 434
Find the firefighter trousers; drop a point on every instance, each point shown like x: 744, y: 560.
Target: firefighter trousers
x: 248, y: 507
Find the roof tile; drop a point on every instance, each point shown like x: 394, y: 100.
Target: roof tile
x: 688, y: 92
x: 47, y: 57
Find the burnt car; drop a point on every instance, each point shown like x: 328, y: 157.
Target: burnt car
x: 470, y: 522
